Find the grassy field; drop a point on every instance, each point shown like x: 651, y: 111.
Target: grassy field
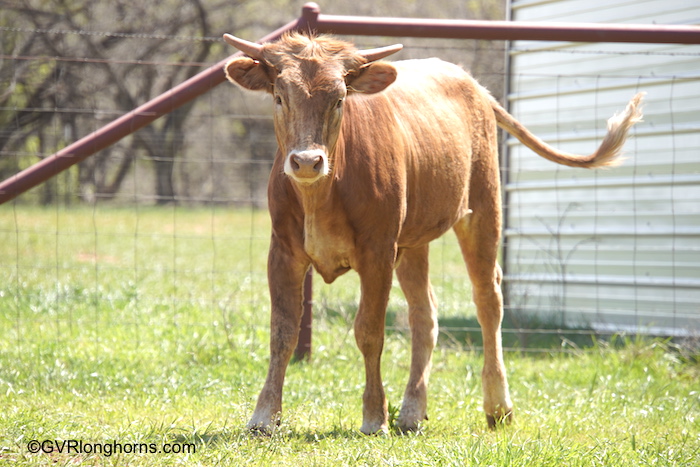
x: 142, y: 334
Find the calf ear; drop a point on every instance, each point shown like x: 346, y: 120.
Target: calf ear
x: 373, y: 77
x: 249, y: 73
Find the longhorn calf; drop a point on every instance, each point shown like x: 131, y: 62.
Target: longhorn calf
x: 376, y: 160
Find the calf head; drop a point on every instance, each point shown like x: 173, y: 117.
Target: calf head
x: 309, y: 79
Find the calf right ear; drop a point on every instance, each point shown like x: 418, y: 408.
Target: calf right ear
x: 250, y: 74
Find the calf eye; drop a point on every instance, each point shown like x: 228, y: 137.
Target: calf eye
x: 339, y: 104
x: 278, y: 100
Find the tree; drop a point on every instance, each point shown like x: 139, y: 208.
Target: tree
x: 97, y: 55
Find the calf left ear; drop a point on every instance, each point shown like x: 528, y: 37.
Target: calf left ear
x: 372, y: 78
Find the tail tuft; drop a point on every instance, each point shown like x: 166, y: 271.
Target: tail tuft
x: 608, y: 154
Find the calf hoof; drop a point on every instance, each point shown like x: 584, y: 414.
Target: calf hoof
x: 262, y: 427
x: 410, y: 423
x: 376, y: 428
x: 498, y: 420
x: 262, y: 431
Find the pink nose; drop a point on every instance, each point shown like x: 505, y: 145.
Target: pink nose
x: 307, y: 163
x: 306, y: 166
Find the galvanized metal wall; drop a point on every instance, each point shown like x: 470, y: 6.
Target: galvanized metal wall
x: 616, y: 249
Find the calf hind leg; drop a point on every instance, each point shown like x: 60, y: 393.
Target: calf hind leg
x: 479, y: 243
x: 422, y: 316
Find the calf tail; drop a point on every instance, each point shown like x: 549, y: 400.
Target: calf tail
x: 607, y: 154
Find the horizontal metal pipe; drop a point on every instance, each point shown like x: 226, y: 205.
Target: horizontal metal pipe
x: 507, y: 30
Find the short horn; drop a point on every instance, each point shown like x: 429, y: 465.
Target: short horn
x: 377, y: 54
x: 251, y: 49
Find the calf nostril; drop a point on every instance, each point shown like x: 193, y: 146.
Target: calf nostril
x: 295, y: 162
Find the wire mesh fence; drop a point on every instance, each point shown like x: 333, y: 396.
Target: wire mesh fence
x: 169, y: 225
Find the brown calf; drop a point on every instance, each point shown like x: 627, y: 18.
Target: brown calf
x: 375, y: 160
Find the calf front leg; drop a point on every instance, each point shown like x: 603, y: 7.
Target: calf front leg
x: 285, y: 279
x: 369, y: 335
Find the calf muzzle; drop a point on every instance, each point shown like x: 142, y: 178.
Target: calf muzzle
x: 306, y: 166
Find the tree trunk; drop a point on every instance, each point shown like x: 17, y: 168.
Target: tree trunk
x: 165, y: 193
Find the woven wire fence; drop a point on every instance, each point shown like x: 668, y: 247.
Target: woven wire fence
x: 171, y: 228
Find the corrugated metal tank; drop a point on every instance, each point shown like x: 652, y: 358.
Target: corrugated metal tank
x: 615, y: 249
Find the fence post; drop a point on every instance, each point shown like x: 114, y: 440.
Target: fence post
x: 308, y: 22
x: 303, y: 350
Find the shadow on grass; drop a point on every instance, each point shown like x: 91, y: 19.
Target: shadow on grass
x: 235, y: 436
x: 520, y: 332
x: 526, y: 334
x: 530, y: 335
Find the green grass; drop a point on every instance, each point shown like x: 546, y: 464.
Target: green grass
x: 149, y: 326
